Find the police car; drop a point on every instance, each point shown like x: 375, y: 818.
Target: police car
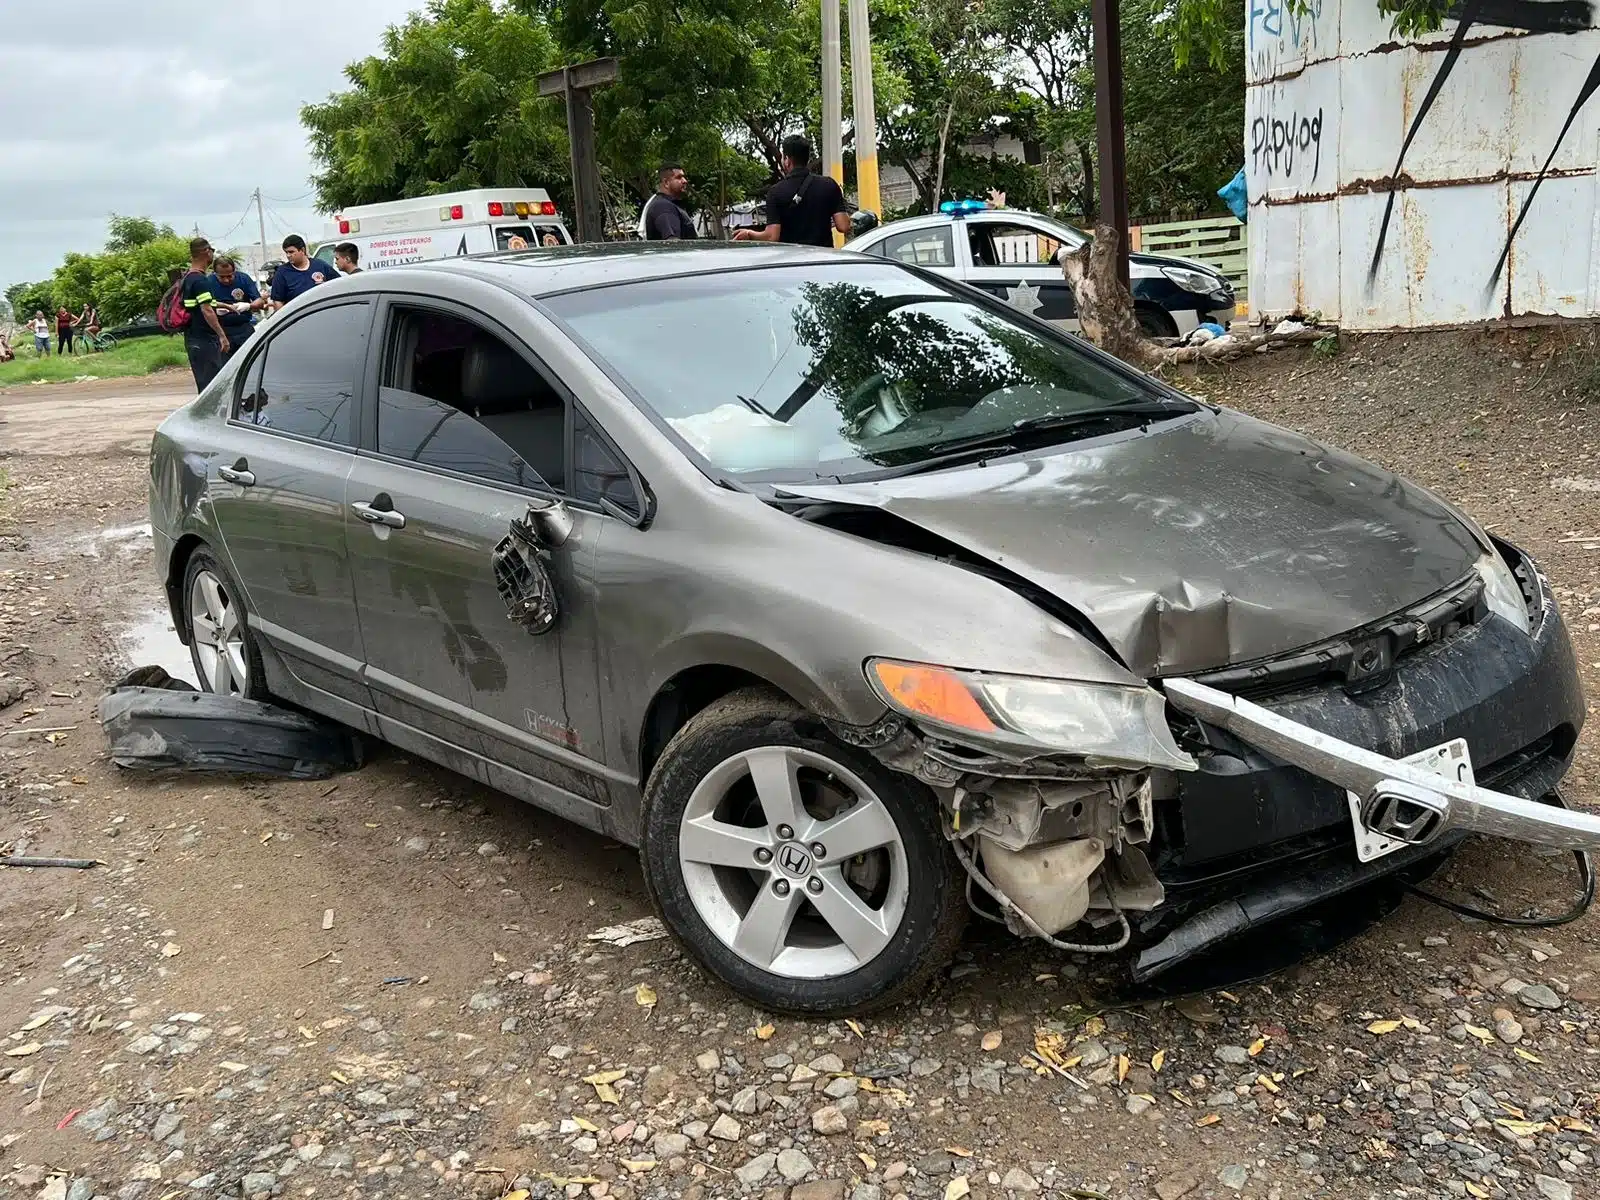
x: 1011, y: 253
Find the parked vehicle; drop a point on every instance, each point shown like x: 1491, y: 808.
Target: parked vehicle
x: 1010, y: 253
x: 848, y: 593
x: 144, y: 325
x: 449, y: 225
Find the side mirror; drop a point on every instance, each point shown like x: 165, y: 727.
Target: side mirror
x: 521, y: 565
x: 862, y: 221
x: 552, y: 521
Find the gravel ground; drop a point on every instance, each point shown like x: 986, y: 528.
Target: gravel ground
x: 386, y: 985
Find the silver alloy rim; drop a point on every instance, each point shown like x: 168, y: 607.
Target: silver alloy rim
x: 218, y: 637
x: 793, y: 863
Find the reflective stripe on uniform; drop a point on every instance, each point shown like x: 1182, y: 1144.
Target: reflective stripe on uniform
x: 202, y: 298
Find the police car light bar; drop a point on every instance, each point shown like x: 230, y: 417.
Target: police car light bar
x: 956, y: 208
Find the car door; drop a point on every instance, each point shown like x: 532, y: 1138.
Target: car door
x: 277, y: 492
x: 1012, y: 258
x: 465, y: 430
x: 930, y: 247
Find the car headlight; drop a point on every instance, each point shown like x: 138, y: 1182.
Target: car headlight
x: 1503, y: 592
x: 1193, y: 281
x: 1105, y: 723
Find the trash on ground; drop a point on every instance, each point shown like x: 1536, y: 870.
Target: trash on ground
x: 170, y: 727
x: 645, y: 929
x: 76, y: 864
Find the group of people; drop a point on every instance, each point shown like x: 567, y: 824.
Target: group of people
x: 223, y: 301
x: 67, y: 328
x: 804, y: 208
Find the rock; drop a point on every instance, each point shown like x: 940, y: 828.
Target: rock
x: 148, y: 1044
x: 894, y: 1171
x: 484, y: 1002
x: 670, y: 1145
x: 925, y: 1066
x: 257, y: 1181
x: 1137, y: 1106
x: 708, y: 1060
x: 488, y: 850
x: 559, y: 1052
x: 829, y: 1120
x: 1537, y: 995
x: 1091, y: 1054
x: 827, y: 1064
x: 55, y: 1188
x: 1234, y: 1056
x: 757, y: 1169
x: 166, y: 1125
x: 695, y: 1130
x: 822, y: 1189
x: 95, y: 1119
x: 838, y: 1089
x: 1434, y: 941
x: 937, y: 1163
x: 1506, y: 1027
x: 1234, y: 1177
x: 866, y: 1191
x: 793, y: 1165
x: 80, y: 1188
x: 986, y: 1079
x: 745, y: 1102
x: 1551, y: 1188
x: 1323, y: 1012
x: 726, y: 1129
x: 416, y: 845
x: 1018, y: 1180
x: 1173, y: 1187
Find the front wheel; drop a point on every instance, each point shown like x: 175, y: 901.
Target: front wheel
x: 800, y: 871
x: 1155, y: 323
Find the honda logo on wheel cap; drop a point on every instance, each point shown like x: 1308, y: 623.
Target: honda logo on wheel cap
x: 794, y: 860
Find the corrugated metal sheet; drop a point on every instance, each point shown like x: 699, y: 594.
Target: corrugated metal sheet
x: 1331, y: 95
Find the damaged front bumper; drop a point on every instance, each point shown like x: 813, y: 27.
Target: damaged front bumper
x: 1400, y: 801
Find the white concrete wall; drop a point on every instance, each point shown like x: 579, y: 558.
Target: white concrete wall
x: 1330, y: 97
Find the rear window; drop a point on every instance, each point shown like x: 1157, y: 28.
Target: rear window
x: 793, y: 373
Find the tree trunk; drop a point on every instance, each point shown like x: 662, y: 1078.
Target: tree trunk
x: 1105, y: 310
x: 944, y: 137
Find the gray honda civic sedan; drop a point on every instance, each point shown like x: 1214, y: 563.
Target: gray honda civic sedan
x: 856, y: 599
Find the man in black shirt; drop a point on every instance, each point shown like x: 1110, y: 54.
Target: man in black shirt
x: 663, y: 218
x: 203, y: 337
x: 803, y: 209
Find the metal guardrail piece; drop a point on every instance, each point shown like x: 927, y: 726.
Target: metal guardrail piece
x: 1400, y: 800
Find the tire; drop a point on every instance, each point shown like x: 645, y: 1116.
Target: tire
x: 1154, y: 322
x: 900, y: 898
x: 232, y: 630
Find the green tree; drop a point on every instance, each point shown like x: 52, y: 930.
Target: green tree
x: 29, y: 298
x: 1203, y: 28
x: 128, y: 232
x: 451, y: 103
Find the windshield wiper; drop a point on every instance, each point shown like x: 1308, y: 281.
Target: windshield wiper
x: 1053, y: 423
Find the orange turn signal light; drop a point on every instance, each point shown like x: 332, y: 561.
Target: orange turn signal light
x: 933, y: 692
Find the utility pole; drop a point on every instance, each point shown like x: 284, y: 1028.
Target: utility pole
x: 1108, y: 126
x: 261, y: 221
x: 575, y: 83
x: 832, y: 117
x: 866, y: 123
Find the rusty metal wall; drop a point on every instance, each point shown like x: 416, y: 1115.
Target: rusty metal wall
x: 1331, y: 94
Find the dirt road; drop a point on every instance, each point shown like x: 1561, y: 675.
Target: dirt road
x: 384, y: 985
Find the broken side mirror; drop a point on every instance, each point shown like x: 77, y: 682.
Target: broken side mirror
x: 862, y: 221
x: 522, y: 564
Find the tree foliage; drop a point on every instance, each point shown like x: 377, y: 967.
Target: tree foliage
x: 128, y: 233
x: 1203, y: 27
x: 452, y: 102
x: 29, y: 298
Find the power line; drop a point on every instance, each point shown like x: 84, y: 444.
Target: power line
x: 239, y: 222
x: 290, y: 200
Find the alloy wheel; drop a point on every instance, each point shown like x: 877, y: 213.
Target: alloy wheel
x: 793, y: 862
x: 218, y: 637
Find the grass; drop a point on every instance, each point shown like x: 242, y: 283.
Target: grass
x: 141, y: 356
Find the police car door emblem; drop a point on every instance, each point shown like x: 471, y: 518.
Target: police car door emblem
x: 1026, y: 297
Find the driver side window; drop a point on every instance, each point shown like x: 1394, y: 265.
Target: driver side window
x: 1001, y: 244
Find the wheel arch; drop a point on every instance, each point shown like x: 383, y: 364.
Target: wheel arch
x: 177, y: 566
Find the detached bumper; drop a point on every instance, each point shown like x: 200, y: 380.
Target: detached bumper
x: 1264, y: 828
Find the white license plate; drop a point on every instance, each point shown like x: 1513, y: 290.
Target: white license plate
x: 1451, y: 760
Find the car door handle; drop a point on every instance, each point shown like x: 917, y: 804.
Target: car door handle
x: 238, y: 474
x: 379, y: 516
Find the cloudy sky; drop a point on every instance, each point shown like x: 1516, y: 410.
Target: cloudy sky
x: 174, y: 109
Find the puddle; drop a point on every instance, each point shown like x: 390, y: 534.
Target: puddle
x: 120, y: 540
x: 150, y: 640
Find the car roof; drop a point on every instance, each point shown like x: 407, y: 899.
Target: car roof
x: 548, y: 271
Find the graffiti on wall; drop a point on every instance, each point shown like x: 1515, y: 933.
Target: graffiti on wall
x: 1277, y: 143
x: 1529, y: 16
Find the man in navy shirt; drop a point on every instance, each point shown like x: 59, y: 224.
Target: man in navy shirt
x: 300, y: 274
x: 230, y: 288
x: 203, y: 338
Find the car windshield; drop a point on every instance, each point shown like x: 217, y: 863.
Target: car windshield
x: 833, y: 370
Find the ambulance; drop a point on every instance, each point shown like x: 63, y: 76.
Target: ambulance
x: 445, y: 226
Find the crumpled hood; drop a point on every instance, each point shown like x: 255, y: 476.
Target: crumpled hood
x: 1207, y: 541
